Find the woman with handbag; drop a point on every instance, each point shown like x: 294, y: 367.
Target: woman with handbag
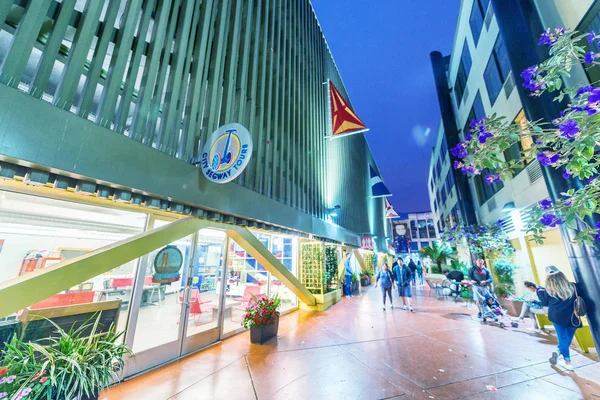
x: 387, y: 283
x: 564, y: 311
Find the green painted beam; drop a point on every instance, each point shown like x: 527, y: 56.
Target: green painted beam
x: 25, y: 290
x: 247, y: 241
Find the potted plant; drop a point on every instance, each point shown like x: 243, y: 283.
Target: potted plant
x: 505, y: 285
x: 439, y: 253
x: 262, y: 318
x: 355, y: 283
x: 365, y: 278
x: 77, y: 364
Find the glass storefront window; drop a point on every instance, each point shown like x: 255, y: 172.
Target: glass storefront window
x: 286, y: 251
x: 207, y: 275
x: 37, y: 232
x: 422, y: 229
x: 160, y: 310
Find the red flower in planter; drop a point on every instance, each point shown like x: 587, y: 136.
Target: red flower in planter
x: 3, y: 371
x: 44, y: 379
x: 268, y: 322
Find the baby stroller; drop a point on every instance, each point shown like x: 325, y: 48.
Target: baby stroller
x: 491, y: 309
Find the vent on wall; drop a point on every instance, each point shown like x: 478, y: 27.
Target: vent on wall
x: 534, y: 171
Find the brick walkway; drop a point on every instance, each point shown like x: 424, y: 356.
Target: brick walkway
x: 355, y: 350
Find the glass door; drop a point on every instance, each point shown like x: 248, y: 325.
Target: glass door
x: 203, y: 294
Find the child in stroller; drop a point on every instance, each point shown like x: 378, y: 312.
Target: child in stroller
x: 490, y: 308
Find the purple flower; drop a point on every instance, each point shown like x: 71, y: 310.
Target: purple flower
x: 460, y: 150
x: 598, y: 224
x: 3, y: 395
x: 468, y: 136
x: 499, y: 222
x: 566, y: 174
x: 441, y: 231
x: 454, y: 228
x: 482, y: 229
x: 589, y: 57
x: 491, y: 178
x: 594, y: 95
x: 547, y: 38
x: 457, y: 164
x: 547, y: 158
x: 569, y: 129
x: 546, y: 204
x: 476, y: 122
x: 484, y: 137
x: 582, y: 90
x: 450, y: 239
x: 591, y: 179
x: 597, y: 237
x: 591, y: 37
x: 550, y: 220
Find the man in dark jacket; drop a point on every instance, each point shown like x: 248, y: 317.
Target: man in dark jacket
x: 413, y: 271
x: 403, y: 276
x: 481, y: 278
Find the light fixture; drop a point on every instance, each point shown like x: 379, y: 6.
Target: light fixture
x: 332, y: 212
x: 508, y: 206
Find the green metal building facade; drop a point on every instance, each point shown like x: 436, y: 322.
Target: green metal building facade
x: 115, y: 98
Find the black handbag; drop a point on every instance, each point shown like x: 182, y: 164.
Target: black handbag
x: 580, y: 308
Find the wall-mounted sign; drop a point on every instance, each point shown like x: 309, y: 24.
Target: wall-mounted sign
x: 401, y: 235
x: 167, y: 265
x: 226, y: 153
x: 366, y: 242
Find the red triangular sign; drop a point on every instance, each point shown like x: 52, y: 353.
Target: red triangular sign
x: 343, y: 119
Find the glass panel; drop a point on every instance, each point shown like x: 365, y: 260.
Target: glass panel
x: 413, y: 229
x: 288, y: 299
x: 160, y: 311
x: 493, y: 81
x: 207, y: 273
x: 423, y: 228
x: 37, y: 232
x: 246, y: 278
x: 431, y: 228
x: 476, y: 21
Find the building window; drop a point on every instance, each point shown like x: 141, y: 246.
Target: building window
x: 477, y: 111
x: 413, y: 229
x: 591, y: 22
x: 497, y: 70
x: 414, y: 246
x: 485, y: 191
x: 477, y: 16
x: 431, y: 228
x: 463, y: 73
x: 422, y: 229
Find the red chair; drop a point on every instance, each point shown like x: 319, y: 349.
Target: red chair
x: 249, y: 293
x: 196, y: 307
x: 65, y: 299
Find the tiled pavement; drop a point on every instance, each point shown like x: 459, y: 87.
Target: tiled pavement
x: 355, y: 350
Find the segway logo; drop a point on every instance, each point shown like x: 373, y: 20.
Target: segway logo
x: 226, y: 153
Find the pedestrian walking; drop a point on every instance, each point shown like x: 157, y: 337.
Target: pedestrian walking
x: 562, y: 312
x: 413, y: 271
x: 420, y: 273
x: 348, y: 275
x: 387, y: 283
x: 481, y: 278
x: 402, y: 275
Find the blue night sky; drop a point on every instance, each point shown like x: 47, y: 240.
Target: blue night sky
x: 382, y: 53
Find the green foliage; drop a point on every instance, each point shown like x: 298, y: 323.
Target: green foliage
x: 503, y: 271
x: 354, y: 278
x: 569, y: 143
x: 370, y: 262
x: 261, y: 312
x: 67, y: 366
x: 459, y: 266
x: 479, y: 239
x: 331, y: 267
x: 312, y: 274
x: 439, y: 253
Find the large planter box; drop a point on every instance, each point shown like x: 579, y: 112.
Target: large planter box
x: 262, y: 334
x: 513, y: 307
x: 355, y: 287
x: 324, y: 301
x: 365, y: 281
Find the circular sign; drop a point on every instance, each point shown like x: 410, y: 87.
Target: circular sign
x: 167, y: 263
x: 226, y: 153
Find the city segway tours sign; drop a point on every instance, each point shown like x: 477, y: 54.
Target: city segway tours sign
x: 226, y: 153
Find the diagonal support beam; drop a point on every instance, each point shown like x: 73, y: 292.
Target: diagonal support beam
x: 360, y: 260
x: 246, y: 240
x: 25, y: 290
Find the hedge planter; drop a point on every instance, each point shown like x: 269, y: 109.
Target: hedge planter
x: 262, y: 334
x: 354, y: 287
x: 365, y: 281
